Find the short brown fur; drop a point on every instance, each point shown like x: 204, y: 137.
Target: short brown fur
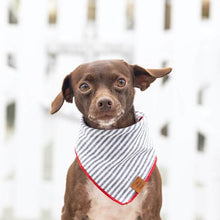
x: 104, y: 90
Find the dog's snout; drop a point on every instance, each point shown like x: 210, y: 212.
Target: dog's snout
x: 105, y: 104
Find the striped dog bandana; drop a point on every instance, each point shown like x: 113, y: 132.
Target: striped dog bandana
x: 113, y: 159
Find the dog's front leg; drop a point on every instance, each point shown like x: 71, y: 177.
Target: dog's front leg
x: 84, y: 217
x: 76, y: 202
x: 152, y: 204
x: 67, y: 216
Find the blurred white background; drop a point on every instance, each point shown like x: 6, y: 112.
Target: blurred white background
x: 42, y: 41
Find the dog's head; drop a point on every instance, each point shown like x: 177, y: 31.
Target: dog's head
x: 104, y: 90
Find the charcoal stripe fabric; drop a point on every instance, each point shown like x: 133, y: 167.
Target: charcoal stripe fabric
x: 113, y: 159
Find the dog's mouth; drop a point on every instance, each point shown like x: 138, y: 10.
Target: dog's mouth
x: 105, y: 115
x: 106, y: 119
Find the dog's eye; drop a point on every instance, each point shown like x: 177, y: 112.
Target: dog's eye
x: 121, y: 82
x: 84, y: 87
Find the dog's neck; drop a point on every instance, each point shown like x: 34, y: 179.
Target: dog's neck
x: 126, y: 120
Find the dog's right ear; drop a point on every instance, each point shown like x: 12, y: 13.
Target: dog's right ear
x: 144, y: 77
x: 65, y: 94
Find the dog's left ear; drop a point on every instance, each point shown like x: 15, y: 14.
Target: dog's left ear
x: 65, y: 94
x: 144, y: 77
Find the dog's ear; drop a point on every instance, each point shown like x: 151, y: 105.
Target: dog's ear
x: 65, y: 94
x: 144, y: 77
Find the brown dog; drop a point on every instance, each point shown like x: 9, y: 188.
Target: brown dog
x: 104, y: 92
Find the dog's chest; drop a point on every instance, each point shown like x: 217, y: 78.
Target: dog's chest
x: 103, y: 207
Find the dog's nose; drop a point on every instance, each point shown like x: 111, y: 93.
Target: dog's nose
x: 104, y: 104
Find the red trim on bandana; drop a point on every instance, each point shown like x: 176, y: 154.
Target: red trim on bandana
x: 147, y: 178
x: 140, y: 118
